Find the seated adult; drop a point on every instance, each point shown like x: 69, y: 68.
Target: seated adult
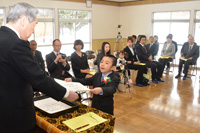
x: 57, y: 64
x: 105, y: 50
x: 152, y: 47
x: 79, y: 61
x: 176, y: 49
x: 37, y: 55
x: 168, y: 50
x: 185, y: 44
x: 144, y: 57
x: 132, y: 62
x: 191, y: 53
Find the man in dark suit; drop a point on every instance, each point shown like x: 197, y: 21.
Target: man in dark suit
x: 57, y: 64
x: 132, y: 62
x: 152, y: 47
x: 144, y: 57
x: 37, y: 55
x: 19, y: 72
x: 186, y: 44
x: 191, y: 53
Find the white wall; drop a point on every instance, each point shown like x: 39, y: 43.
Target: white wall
x: 104, y: 18
x: 138, y: 19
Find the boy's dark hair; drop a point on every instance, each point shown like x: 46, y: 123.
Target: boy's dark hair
x: 121, y: 52
x: 55, y: 40
x: 114, y: 62
x: 130, y: 38
x: 103, y: 50
x: 78, y: 42
x: 142, y: 36
x: 134, y: 36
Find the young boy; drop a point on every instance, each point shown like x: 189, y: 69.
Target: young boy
x: 105, y: 84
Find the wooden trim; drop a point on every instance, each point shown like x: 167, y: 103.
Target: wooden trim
x: 143, y: 2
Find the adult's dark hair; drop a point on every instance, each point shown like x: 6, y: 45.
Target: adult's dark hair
x: 142, y: 36
x: 103, y: 46
x: 130, y: 38
x: 55, y: 40
x: 155, y: 36
x: 169, y: 36
x: 114, y: 59
x: 139, y: 37
x: 78, y: 42
x: 134, y: 36
x: 151, y: 37
x: 121, y: 52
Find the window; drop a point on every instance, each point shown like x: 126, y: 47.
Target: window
x: 197, y: 31
x: 176, y: 23
x: 1, y: 16
x: 74, y: 25
x: 44, y: 30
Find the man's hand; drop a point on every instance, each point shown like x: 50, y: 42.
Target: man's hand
x: 150, y: 58
x: 72, y: 96
x: 68, y: 79
x: 164, y: 55
x: 97, y: 90
x: 58, y: 58
x: 135, y: 63
x: 190, y: 58
x: 85, y: 70
x: 63, y: 61
x: 129, y: 62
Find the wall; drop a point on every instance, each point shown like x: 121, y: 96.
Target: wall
x: 138, y: 19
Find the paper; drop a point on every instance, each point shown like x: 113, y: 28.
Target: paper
x: 90, y: 119
x: 92, y: 73
x: 51, y: 106
x: 142, y: 64
x: 184, y: 59
x: 73, y: 86
x: 166, y: 57
x: 146, y: 76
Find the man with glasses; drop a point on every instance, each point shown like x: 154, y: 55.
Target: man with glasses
x: 57, y: 64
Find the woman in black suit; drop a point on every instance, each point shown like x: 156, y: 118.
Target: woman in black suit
x: 105, y: 50
x: 79, y: 61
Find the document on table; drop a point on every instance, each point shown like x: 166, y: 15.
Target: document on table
x: 51, y: 106
x: 84, y: 122
x: 73, y: 86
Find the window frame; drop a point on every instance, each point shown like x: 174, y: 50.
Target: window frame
x: 4, y: 14
x: 74, y: 21
x: 47, y: 20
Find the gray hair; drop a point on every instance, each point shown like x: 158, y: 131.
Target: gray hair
x: 22, y: 9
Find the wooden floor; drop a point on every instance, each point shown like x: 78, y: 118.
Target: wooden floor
x: 169, y: 107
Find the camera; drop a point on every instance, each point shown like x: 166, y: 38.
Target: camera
x: 63, y: 56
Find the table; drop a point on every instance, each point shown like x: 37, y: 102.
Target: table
x: 55, y: 125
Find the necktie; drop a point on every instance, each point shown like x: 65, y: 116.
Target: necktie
x: 144, y: 48
x: 190, y: 48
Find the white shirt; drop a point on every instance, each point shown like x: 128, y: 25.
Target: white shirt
x: 13, y: 29
x: 167, y: 46
x: 131, y: 49
x: 191, y: 46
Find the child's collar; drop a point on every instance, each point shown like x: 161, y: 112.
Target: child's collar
x: 106, y: 74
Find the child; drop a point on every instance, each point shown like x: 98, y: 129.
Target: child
x: 105, y: 84
x: 120, y: 61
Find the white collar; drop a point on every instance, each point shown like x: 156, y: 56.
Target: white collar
x: 142, y: 45
x: 13, y: 29
x: 56, y: 52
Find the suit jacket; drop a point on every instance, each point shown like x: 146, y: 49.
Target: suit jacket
x: 142, y: 53
x: 79, y: 63
x: 153, y: 50
x: 18, y: 73
x: 185, y: 44
x: 54, y: 69
x: 38, y: 58
x: 194, y: 53
x: 170, y: 51
x: 130, y: 57
x: 176, y: 45
x: 102, y: 102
